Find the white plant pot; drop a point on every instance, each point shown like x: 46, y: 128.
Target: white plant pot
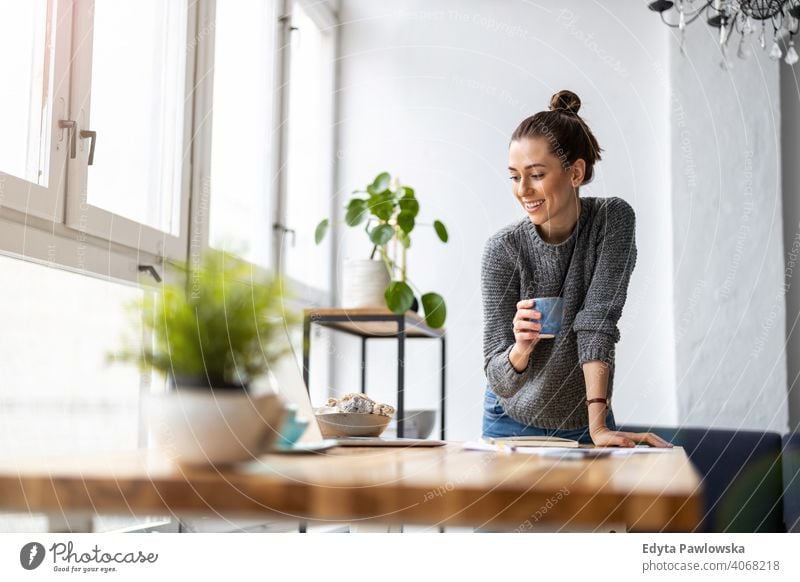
x: 364, y: 283
x: 198, y: 426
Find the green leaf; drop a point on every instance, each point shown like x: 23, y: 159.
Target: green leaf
x: 383, y: 204
x: 381, y: 234
x: 405, y: 220
x: 440, y: 230
x: 381, y: 182
x: 408, y: 191
x: 435, y: 309
x: 356, y: 212
x: 409, y: 204
x: 319, y: 233
x: 399, y: 297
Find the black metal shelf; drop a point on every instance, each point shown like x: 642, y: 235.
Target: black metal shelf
x: 369, y: 323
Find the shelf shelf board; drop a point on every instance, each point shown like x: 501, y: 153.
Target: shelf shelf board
x: 371, y: 322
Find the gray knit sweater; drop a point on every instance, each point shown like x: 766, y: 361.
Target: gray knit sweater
x: 518, y: 264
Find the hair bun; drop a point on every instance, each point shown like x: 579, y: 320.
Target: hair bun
x: 565, y: 101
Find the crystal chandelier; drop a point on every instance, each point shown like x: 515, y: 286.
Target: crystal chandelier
x: 746, y: 17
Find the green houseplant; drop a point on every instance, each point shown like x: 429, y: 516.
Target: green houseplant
x: 213, y: 333
x: 389, y: 211
x: 220, y: 330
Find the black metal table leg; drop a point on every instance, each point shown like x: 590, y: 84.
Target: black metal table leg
x: 443, y: 400
x: 401, y: 356
x: 363, y: 365
x: 306, y: 350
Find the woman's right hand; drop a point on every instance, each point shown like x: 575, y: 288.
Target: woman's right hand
x: 526, y: 333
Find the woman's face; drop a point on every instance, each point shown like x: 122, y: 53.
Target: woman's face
x: 544, y: 188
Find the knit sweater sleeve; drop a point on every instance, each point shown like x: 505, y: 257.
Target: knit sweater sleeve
x: 596, y: 322
x: 500, y: 284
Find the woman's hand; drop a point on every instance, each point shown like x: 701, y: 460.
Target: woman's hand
x: 526, y: 333
x: 605, y: 437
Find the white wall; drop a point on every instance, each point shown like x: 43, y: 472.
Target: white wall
x: 431, y: 91
x: 728, y: 244
x: 790, y: 138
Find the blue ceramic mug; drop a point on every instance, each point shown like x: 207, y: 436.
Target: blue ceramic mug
x: 294, y: 426
x: 552, y: 310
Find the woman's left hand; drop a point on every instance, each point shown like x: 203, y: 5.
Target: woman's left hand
x: 605, y: 437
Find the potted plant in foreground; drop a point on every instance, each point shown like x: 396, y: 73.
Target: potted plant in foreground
x: 213, y: 334
x: 390, y: 211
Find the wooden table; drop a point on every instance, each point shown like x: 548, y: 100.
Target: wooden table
x: 432, y: 486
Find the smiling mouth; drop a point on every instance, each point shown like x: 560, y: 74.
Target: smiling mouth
x: 533, y: 206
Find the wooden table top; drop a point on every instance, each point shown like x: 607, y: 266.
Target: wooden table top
x: 415, y: 325
x: 432, y: 486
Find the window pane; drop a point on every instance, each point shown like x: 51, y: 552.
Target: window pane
x: 137, y: 109
x: 26, y: 70
x: 308, y: 186
x: 241, y: 184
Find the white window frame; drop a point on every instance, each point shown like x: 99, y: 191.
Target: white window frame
x: 201, y: 163
x: 54, y: 225
x: 57, y: 229
x: 17, y: 194
x: 324, y: 15
x: 82, y: 216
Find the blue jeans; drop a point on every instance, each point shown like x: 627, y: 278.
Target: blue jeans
x: 497, y: 424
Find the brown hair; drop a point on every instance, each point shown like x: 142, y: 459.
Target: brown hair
x: 569, y: 137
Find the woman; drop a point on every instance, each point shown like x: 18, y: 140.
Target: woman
x: 582, y: 249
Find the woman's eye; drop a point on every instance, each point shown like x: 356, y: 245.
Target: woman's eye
x: 514, y: 178
x: 537, y: 176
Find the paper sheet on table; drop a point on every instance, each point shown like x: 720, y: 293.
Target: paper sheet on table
x: 589, y: 452
x: 562, y: 451
x: 622, y: 451
x: 482, y: 446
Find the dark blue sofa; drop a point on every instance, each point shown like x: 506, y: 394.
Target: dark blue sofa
x: 742, y: 476
x: 791, y: 482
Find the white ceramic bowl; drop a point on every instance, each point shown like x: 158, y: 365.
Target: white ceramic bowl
x: 197, y: 426
x: 417, y: 424
x: 350, y: 424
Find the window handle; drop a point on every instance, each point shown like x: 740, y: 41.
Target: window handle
x: 285, y: 230
x: 69, y: 125
x: 152, y: 270
x: 93, y: 136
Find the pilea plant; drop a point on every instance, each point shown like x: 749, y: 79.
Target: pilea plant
x: 389, y: 211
